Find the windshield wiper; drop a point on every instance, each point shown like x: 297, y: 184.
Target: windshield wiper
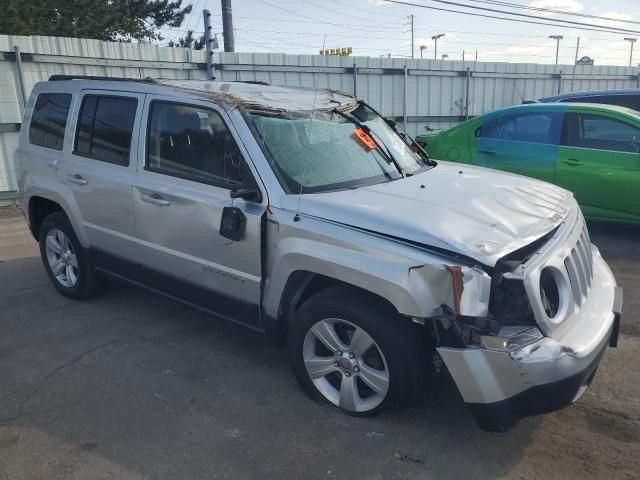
x: 385, y: 151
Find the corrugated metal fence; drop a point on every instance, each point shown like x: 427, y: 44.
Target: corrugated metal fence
x: 422, y: 94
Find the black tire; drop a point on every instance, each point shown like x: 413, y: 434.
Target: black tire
x: 401, y: 343
x: 87, y: 281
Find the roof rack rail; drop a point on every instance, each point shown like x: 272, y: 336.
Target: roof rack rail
x: 55, y: 78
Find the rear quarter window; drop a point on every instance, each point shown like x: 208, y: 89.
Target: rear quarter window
x: 49, y: 120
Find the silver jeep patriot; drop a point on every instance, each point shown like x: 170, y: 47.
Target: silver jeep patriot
x: 305, y: 214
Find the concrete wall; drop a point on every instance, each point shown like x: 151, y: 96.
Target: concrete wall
x: 430, y: 94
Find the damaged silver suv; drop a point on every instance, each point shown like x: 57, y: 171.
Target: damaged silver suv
x: 306, y: 215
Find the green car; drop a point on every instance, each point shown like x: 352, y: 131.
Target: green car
x: 592, y: 150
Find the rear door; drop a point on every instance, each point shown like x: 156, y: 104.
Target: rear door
x: 599, y: 162
x: 520, y: 142
x: 101, y: 165
x: 191, y: 160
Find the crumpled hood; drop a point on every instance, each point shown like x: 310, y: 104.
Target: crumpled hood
x: 480, y: 213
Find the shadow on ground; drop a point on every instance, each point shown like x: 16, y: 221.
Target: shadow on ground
x: 133, y: 385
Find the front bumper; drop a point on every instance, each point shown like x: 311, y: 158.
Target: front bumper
x: 551, y: 373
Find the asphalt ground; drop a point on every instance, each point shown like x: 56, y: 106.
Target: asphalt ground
x: 131, y: 385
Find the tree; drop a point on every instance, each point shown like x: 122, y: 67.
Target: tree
x: 188, y: 41
x: 112, y: 20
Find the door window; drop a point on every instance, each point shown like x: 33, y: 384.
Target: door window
x: 104, y: 128
x: 194, y: 143
x: 537, y: 127
x: 49, y: 119
x: 600, y: 133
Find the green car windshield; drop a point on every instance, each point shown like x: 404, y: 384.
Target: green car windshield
x: 326, y: 150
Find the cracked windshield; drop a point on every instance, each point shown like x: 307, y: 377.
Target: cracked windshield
x: 332, y: 150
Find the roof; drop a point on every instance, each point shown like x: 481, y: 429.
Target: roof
x: 561, y: 107
x: 592, y: 93
x: 255, y: 95
x: 265, y: 96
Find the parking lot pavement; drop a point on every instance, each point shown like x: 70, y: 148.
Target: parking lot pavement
x: 131, y: 385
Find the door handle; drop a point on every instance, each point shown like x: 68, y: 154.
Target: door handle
x: 487, y: 151
x: 571, y: 161
x: 155, y: 199
x: 77, y: 179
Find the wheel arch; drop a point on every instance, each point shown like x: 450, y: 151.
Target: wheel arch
x: 302, y: 285
x: 40, y: 204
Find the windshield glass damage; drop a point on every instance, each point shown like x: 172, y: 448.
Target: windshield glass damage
x: 332, y: 150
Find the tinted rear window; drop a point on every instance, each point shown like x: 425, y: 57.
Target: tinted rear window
x: 49, y: 120
x: 105, y: 125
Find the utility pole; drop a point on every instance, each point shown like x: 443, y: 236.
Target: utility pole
x: 435, y: 44
x: 631, y: 41
x: 575, y: 62
x: 557, y: 38
x: 412, y: 47
x: 208, y: 43
x: 227, y: 26
x: 463, y: 55
x: 476, y: 56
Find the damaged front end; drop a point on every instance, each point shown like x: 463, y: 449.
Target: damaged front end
x: 552, y: 309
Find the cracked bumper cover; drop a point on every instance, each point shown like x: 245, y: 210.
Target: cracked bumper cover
x: 551, y: 373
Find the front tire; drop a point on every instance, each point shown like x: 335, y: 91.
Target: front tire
x: 67, y: 263
x: 355, y: 352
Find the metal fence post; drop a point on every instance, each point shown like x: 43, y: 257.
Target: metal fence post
x: 208, y: 43
x: 355, y: 80
x: 560, y: 82
x: 466, y: 95
x: 16, y: 49
x: 404, y: 99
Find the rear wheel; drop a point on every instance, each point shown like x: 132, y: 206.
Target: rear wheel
x: 354, y: 352
x: 66, y: 262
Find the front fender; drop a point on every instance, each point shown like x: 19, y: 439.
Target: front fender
x: 417, y: 283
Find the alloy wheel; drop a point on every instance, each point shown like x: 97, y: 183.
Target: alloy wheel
x: 346, y: 365
x: 62, y: 258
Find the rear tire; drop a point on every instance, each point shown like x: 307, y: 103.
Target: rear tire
x: 67, y: 263
x: 353, y: 351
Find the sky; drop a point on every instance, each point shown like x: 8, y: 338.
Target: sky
x: 378, y: 28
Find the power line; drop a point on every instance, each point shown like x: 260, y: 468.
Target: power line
x: 493, y: 17
x: 315, y: 20
x: 493, y: 10
x: 551, y: 10
x: 369, y: 12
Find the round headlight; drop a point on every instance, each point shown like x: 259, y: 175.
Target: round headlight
x: 549, y: 292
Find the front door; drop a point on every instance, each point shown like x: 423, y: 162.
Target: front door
x: 600, y: 163
x: 191, y: 161
x: 525, y: 143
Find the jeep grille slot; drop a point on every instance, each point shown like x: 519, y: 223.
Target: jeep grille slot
x: 579, y: 265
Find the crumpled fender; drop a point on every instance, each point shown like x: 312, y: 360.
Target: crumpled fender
x: 417, y: 282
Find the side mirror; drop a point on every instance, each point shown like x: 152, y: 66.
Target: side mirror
x: 250, y: 194
x: 233, y: 223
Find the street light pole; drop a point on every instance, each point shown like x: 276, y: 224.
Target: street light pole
x: 631, y: 41
x: 557, y: 38
x: 412, y: 47
x: 422, y: 49
x: 435, y: 44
